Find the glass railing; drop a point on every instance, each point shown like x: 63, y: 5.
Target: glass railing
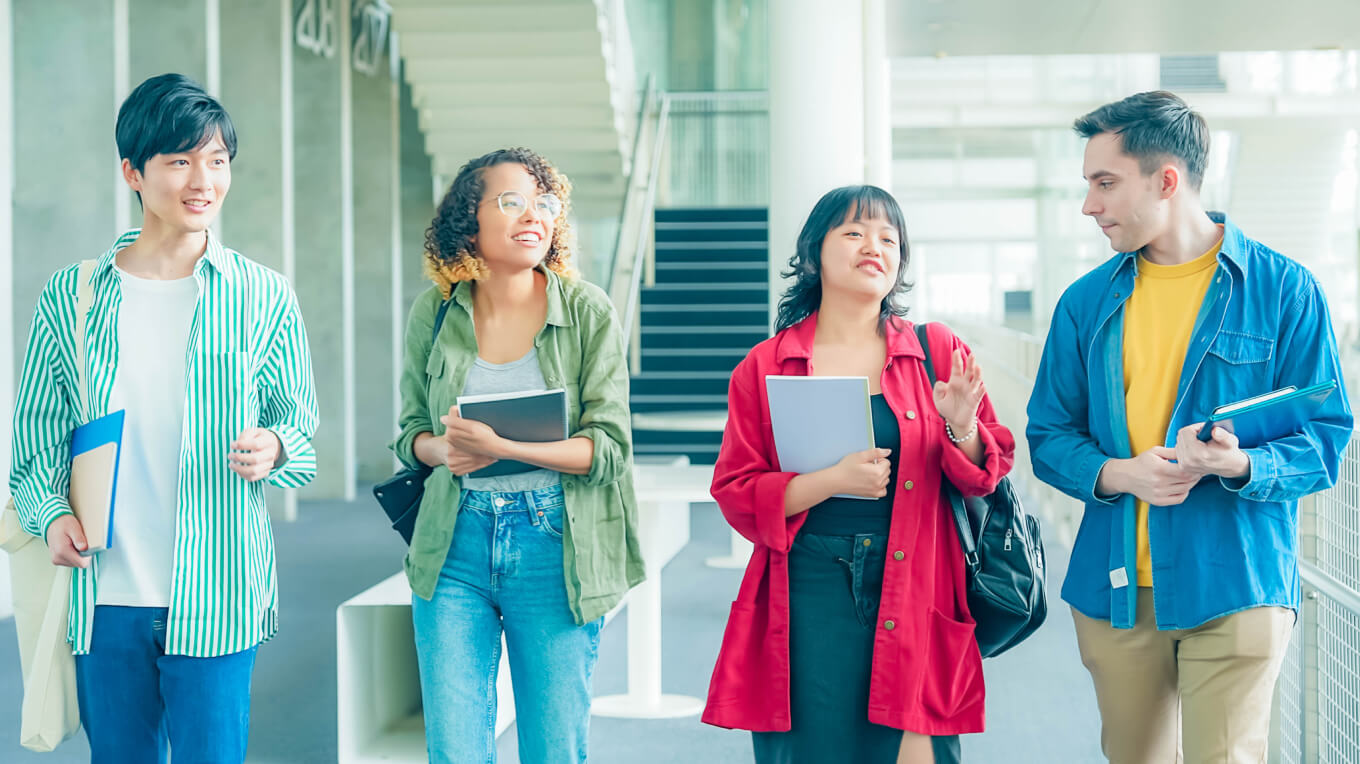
x: 718, y: 151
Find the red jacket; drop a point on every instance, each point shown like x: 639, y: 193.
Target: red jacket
x: 927, y: 671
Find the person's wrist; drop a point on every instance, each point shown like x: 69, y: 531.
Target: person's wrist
x: 1240, y: 466
x: 961, y: 426
x: 961, y: 432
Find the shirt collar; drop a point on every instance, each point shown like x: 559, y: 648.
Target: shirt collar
x: 215, y: 255
x: 1233, y: 251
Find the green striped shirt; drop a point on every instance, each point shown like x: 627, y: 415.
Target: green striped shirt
x: 247, y: 365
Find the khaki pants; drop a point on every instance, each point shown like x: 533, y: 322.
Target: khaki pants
x: 1188, y: 695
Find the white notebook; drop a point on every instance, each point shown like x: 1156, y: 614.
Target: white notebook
x: 818, y: 421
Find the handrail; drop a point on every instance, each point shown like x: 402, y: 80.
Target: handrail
x: 644, y: 106
x: 1315, y: 578
x: 649, y: 202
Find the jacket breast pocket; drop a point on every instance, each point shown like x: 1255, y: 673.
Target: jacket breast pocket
x: 1240, y: 348
x: 438, y: 396
x: 1237, y: 366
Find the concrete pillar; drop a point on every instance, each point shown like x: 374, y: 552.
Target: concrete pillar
x: 376, y: 238
x: 64, y: 157
x: 6, y: 263
x: 816, y: 116
x: 256, y: 88
x: 320, y: 236
x: 878, y: 156
x: 419, y: 195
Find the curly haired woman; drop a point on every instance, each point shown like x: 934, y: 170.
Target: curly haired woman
x: 543, y: 554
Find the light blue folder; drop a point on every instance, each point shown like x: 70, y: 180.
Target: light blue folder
x: 818, y: 421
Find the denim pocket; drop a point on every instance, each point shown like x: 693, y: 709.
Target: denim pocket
x: 549, y: 520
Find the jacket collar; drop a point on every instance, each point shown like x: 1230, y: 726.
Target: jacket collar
x: 796, y: 341
x: 1233, y: 251
x: 557, y: 297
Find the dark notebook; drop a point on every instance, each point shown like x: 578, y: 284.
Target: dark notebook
x: 532, y: 417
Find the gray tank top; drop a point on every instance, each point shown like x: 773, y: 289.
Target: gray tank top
x: 523, y: 375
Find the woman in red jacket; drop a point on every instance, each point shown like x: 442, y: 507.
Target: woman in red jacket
x: 852, y: 625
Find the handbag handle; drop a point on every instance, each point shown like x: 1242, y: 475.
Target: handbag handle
x: 970, y: 555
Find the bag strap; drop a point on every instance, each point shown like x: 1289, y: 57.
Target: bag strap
x: 439, y: 319
x: 84, y: 302
x: 970, y: 556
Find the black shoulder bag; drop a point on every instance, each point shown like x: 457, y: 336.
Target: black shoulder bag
x: 1004, y: 555
x: 400, y: 495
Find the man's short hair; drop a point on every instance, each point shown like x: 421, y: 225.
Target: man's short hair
x: 1154, y: 126
x: 170, y: 114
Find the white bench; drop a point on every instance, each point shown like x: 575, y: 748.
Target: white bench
x: 377, y: 678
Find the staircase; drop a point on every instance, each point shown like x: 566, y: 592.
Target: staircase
x: 709, y: 306
x: 556, y: 76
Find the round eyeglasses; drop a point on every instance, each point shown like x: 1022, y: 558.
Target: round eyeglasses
x: 513, y: 204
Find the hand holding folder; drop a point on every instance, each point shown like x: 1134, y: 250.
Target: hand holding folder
x: 1267, y: 417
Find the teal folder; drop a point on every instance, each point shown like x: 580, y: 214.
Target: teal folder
x: 1270, y: 416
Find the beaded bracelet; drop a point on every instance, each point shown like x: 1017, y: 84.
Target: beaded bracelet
x: 960, y: 441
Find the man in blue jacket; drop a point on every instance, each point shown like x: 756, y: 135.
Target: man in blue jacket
x: 1184, y: 580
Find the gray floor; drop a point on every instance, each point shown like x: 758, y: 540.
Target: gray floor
x: 1040, y: 707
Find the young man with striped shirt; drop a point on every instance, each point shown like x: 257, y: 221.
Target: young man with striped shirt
x: 206, y: 353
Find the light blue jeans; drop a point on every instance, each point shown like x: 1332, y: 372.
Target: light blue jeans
x: 504, y: 571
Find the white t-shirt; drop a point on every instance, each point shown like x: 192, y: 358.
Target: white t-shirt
x: 153, y: 339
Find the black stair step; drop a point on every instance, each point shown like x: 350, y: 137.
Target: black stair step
x: 711, y: 214
x: 748, y: 292
x: 743, y: 341
x: 705, y: 316
x: 703, y: 233
x: 683, y: 254
x: 722, y: 360
x: 719, y: 272
x: 650, y: 384
x: 677, y: 402
x: 699, y: 455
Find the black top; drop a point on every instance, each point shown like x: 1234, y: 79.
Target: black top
x: 846, y: 517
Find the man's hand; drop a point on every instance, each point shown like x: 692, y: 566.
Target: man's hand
x: 1151, y: 476
x: 254, y: 454
x: 66, y: 540
x: 1219, y: 456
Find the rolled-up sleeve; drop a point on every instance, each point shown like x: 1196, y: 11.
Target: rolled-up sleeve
x: 747, y: 483
x: 415, y: 406
x: 290, y: 409
x: 40, y: 475
x: 603, y: 379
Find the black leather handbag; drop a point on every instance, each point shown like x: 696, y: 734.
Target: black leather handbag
x: 1004, y: 555
x: 400, y: 495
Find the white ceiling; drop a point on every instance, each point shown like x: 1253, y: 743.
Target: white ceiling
x: 1048, y: 27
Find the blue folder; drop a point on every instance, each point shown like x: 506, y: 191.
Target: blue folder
x: 96, y: 451
x: 1268, y: 417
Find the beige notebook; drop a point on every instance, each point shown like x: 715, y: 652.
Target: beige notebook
x: 95, y: 448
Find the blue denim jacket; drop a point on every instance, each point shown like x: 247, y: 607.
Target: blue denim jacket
x: 1231, y: 545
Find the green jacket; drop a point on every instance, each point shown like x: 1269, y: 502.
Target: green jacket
x: 581, y: 350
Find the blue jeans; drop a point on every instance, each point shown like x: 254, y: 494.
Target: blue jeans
x: 135, y: 700
x: 504, y: 571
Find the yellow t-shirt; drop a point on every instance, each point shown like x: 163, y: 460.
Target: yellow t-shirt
x: 1158, y: 320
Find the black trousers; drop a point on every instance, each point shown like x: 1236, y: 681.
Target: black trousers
x: 834, y: 587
